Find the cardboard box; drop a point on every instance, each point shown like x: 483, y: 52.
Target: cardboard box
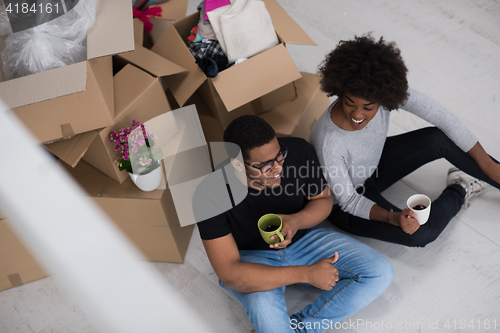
x: 17, y: 265
x: 92, y: 107
x: 146, y: 59
x: 138, y: 96
x: 269, y: 101
x: 172, y: 10
x: 149, y: 219
x: 296, y: 118
x: 72, y: 150
x: 212, y: 128
x: 256, y: 107
x: 242, y: 83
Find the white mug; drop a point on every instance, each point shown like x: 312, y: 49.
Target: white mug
x: 423, y: 200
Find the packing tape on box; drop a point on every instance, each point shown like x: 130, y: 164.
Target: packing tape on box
x: 15, y: 280
x: 67, y: 131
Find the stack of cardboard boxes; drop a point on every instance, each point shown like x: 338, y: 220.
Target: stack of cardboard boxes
x: 73, y: 109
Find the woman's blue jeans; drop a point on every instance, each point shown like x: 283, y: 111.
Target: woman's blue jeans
x: 403, y: 154
x: 363, y: 272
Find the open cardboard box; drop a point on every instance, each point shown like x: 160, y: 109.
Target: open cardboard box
x: 138, y: 96
x: 296, y: 118
x: 172, y: 10
x: 240, y: 84
x: 256, y: 107
x: 149, y: 219
x: 17, y: 265
x: 211, y: 127
x: 77, y: 98
x: 146, y: 59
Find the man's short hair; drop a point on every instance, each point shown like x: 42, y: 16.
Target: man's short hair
x: 248, y: 132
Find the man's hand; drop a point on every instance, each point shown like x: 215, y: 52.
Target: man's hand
x: 290, y: 227
x: 406, y: 220
x: 323, y: 275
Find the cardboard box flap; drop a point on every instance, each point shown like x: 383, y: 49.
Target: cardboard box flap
x: 113, y: 30
x: 72, y: 150
x: 287, y: 29
x: 173, y: 9
x: 172, y: 47
x: 37, y: 88
x: 151, y: 62
x: 138, y: 31
x: 259, y: 73
x: 131, y: 82
x: 102, y: 69
x: 285, y: 117
x: 51, y: 120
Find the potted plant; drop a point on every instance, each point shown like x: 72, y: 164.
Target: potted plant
x: 138, y: 156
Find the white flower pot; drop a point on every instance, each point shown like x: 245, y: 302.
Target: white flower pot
x: 149, y: 181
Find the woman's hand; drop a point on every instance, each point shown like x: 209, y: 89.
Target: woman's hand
x: 405, y: 219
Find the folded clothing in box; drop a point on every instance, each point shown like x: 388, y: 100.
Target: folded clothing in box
x: 239, y: 84
x: 243, y: 29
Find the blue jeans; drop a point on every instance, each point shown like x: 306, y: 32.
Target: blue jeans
x: 363, y: 272
x: 403, y: 154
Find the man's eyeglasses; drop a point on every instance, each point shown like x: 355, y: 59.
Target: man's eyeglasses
x: 267, y: 166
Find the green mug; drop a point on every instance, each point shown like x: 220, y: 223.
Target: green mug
x: 270, y: 225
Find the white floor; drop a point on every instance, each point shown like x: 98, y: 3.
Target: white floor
x: 452, y: 50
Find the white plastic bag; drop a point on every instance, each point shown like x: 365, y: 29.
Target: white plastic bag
x: 54, y: 44
x: 5, y: 28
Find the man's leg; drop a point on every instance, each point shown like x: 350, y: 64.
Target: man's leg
x: 364, y: 274
x: 266, y: 309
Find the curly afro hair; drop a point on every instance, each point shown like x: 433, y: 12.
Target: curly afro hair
x: 368, y: 69
x: 248, y: 132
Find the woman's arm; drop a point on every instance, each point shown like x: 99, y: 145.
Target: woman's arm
x: 404, y: 219
x: 489, y: 167
x: 428, y: 109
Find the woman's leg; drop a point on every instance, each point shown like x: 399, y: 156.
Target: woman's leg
x: 402, y: 155
x: 443, y: 210
x: 407, y: 152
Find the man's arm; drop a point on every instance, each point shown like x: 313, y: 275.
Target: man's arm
x: 314, y: 212
x: 249, y: 277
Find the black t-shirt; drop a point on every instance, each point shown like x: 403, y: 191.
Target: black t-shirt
x: 301, y: 178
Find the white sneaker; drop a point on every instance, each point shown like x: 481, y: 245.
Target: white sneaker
x: 473, y: 186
